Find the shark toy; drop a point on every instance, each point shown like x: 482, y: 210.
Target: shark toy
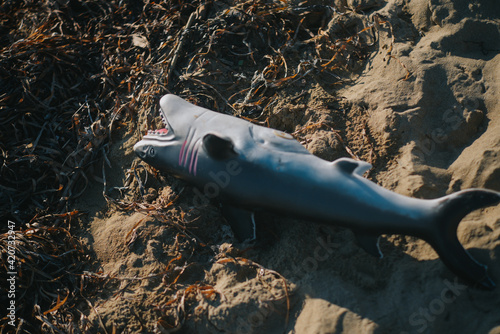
x: 250, y: 167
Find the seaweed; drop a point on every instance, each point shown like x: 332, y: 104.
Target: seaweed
x: 48, y: 266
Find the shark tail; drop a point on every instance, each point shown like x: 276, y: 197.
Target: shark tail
x: 443, y: 238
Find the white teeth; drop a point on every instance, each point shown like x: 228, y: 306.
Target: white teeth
x: 160, y: 132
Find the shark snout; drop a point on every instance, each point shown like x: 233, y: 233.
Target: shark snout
x: 141, y: 150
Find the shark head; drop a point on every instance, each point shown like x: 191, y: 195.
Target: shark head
x: 160, y: 148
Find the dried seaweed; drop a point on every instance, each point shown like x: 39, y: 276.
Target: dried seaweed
x: 71, y: 73
x: 47, y: 259
x: 290, y: 42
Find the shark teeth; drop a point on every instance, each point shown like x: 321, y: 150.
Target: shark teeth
x: 161, y: 132
x: 163, y: 119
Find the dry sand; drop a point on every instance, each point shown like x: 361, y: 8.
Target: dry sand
x: 432, y: 134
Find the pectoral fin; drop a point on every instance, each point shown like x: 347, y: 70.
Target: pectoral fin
x: 242, y: 222
x: 369, y: 242
x: 218, y: 147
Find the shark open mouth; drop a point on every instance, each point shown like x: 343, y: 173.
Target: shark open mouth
x: 160, y: 132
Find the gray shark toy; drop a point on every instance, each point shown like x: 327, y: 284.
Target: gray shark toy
x: 251, y: 167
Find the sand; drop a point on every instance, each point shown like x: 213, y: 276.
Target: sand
x: 427, y: 135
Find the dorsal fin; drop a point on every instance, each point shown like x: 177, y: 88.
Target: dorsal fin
x: 351, y: 166
x: 217, y: 147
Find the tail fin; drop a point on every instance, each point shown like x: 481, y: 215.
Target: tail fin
x: 450, y: 211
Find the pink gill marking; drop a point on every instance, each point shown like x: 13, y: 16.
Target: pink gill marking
x: 195, y: 163
x: 189, y: 151
x: 195, y: 152
x: 181, y: 154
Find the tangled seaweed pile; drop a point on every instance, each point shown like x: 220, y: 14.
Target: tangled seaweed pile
x: 73, y: 72
x: 51, y: 260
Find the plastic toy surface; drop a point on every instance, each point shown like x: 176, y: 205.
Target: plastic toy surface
x: 250, y: 167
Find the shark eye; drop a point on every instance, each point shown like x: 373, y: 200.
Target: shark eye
x: 152, y: 152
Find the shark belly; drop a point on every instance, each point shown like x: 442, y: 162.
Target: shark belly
x: 314, y: 189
